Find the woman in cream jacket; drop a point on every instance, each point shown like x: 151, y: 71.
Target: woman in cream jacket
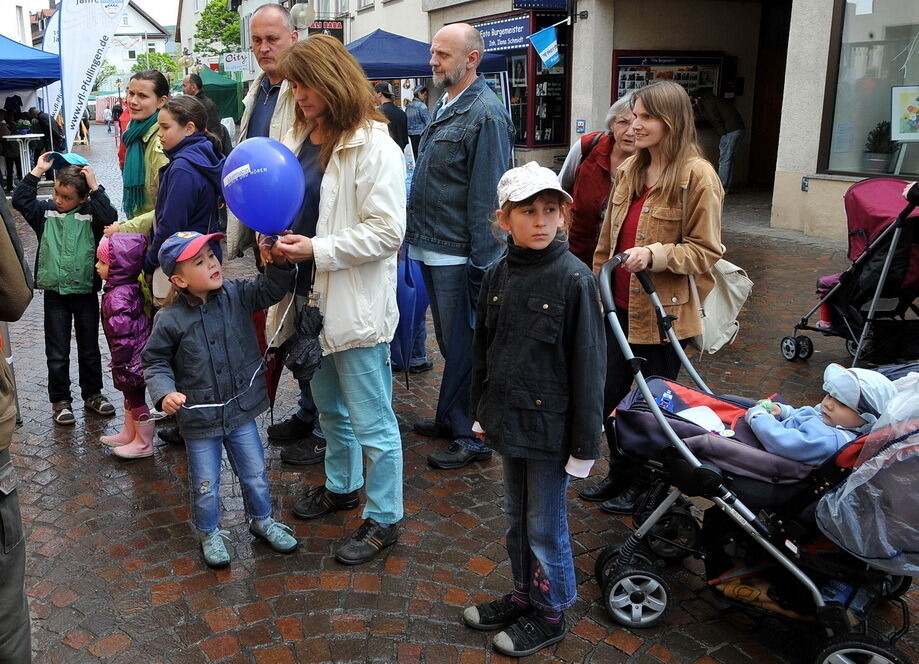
x: 344, y: 145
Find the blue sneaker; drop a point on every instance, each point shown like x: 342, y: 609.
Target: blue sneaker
x: 276, y: 534
x: 215, y: 551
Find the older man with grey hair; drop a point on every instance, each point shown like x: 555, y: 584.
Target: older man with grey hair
x: 269, y: 111
x: 461, y: 157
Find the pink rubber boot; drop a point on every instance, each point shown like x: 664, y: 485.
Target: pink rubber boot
x: 141, y: 446
x: 123, y: 437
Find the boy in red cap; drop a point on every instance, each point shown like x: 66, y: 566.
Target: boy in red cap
x: 203, y: 363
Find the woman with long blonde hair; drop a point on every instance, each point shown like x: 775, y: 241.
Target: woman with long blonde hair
x: 665, y: 213
x: 350, y: 228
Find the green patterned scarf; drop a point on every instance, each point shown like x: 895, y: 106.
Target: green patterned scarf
x: 135, y: 193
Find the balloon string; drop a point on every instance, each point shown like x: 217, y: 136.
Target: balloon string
x: 262, y: 366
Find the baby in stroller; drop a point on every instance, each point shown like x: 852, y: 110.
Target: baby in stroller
x: 854, y: 400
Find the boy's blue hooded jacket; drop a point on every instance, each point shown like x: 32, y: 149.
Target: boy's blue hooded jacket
x: 189, y: 193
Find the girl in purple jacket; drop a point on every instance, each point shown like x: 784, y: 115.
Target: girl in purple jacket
x: 127, y: 328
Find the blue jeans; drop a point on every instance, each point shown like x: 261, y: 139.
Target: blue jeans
x: 538, y: 543
x: 447, y: 292
x: 727, y: 148
x: 353, y: 391
x: 81, y: 314
x: 307, y: 407
x: 419, y: 351
x: 247, y: 459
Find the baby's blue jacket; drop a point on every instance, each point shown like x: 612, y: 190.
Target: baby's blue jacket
x: 798, y: 433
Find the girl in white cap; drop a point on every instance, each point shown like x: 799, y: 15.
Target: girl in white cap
x: 854, y: 400
x: 539, y: 358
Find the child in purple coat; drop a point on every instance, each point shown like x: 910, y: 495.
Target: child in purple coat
x: 127, y: 328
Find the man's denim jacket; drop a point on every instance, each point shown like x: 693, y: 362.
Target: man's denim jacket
x: 462, y: 156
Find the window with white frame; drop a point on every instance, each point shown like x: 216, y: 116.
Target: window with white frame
x: 132, y: 55
x: 361, y: 4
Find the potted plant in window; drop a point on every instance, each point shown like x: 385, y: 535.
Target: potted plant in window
x: 878, y: 149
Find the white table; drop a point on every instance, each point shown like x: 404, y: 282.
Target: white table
x: 24, y: 155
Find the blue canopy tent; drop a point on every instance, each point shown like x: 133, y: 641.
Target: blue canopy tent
x: 26, y: 68
x: 385, y: 55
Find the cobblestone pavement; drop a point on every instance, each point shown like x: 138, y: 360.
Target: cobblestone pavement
x: 114, y: 571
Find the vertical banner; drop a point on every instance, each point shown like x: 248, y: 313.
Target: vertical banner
x: 546, y: 44
x: 51, y: 43
x: 87, y: 27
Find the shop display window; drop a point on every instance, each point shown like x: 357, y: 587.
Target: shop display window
x: 874, y: 125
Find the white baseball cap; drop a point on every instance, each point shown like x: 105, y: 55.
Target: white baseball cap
x: 520, y: 183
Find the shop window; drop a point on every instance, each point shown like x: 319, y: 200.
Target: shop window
x: 537, y: 95
x: 875, y: 119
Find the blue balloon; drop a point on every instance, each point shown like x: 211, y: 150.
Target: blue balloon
x: 263, y: 184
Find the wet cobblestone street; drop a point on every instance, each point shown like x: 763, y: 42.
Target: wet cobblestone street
x: 114, y: 569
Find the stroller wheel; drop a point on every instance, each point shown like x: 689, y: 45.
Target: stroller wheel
x: 804, y: 346
x: 636, y: 596
x: 675, y: 536
x: 606, y: 563
x: 897, y: 587
x: 860, y: 650
x: 789, y: 349
x: 852, y: 347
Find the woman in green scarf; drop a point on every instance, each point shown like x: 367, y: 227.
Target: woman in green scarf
x: 143, y: 155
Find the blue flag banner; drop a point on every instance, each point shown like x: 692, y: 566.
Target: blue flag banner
x: 546, y: 44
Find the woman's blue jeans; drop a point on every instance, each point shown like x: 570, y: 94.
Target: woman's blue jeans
x: 353, y: 392
x: 538, y: 543
x: 247, y: 459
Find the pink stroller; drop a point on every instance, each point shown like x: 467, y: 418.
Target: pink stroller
x: 884, y: 250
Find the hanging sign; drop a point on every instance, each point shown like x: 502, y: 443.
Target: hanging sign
x: 235, y: 61
x: 333, y: 28
x: 505, y: 34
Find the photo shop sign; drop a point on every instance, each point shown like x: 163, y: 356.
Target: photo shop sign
x: 505, y: 34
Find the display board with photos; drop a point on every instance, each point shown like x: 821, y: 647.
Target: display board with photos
x: 635, y: 69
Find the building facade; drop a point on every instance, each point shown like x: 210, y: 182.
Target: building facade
x: 14, y: 21
x: 813, y: 80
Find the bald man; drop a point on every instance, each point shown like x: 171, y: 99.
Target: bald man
x: 461, y: 157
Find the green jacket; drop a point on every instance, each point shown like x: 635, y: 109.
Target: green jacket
x: 154, y: 160
x: 66, y: 240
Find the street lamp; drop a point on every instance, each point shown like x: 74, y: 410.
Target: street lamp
x: 118, y: 86
x: 187, y: 60
x: 303, y: 15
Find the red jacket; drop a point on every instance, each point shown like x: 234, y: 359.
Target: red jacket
x: 591, y: 190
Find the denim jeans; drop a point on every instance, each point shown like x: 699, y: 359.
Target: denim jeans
x: 727, y: 149
x: 446, y: 286
x: 353, y: 391
x: 247, y: 459
x: 80, y: 312
x: 419, y: 349
x: 538, y: 543
x: 307, y: 407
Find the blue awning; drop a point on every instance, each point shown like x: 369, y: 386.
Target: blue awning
x: 385, y: 55
x: 23, y: 67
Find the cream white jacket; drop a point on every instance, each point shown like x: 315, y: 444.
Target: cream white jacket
x: 239, y: 236
x: 359, y: 231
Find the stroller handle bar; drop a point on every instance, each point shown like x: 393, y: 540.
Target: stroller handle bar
x: 663, y: 319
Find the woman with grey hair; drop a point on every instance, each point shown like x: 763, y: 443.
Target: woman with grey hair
x: 588, y: 175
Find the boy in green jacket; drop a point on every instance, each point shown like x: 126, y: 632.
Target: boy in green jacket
x: 69, y: 228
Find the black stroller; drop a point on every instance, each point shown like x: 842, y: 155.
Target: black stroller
x: 884, y: 248
x: 759, y: 540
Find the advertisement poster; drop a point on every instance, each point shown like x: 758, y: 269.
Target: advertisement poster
x: 904, y: 113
